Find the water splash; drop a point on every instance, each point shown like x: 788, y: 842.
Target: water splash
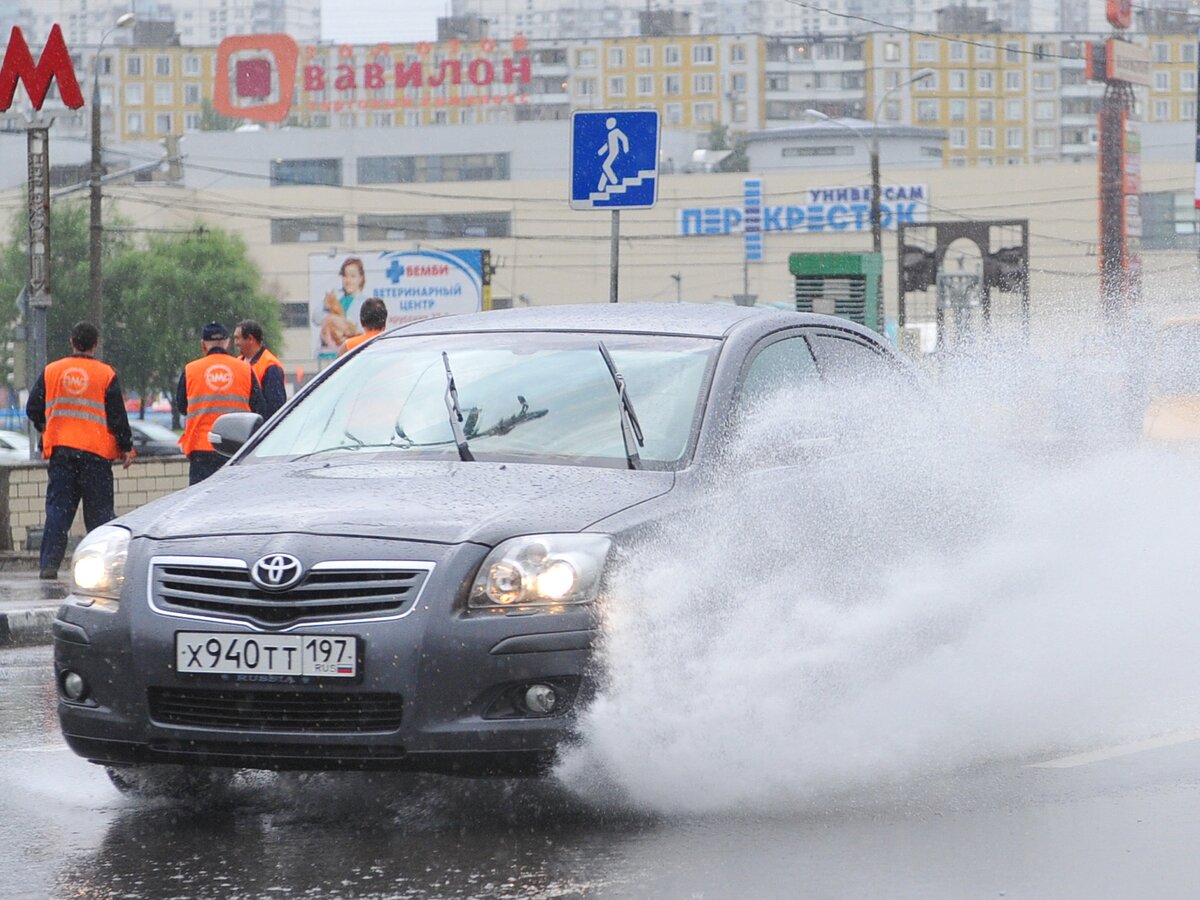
x: 1005, y: 573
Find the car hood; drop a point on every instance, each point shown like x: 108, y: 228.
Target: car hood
x: 430, y: 501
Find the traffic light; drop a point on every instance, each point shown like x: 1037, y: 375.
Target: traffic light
x: 920, y: 268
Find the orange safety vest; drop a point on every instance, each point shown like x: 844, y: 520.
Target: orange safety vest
x: 352, y: 342
x: 216, y: 384
x: 75, y: 414
x: 265, y: 360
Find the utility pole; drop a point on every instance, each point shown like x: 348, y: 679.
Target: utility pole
x: 96, y: 226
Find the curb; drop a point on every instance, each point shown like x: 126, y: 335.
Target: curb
x: 27, y: 626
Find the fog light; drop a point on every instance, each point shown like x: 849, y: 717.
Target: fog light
x: 540, y: 699
x: 74, y: 686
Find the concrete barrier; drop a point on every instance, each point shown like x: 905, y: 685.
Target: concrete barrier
x: 23, y: 494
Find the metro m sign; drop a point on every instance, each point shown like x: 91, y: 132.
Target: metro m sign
x: 55, y: 63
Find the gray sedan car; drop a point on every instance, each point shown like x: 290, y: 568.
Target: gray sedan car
x: 412, y: 574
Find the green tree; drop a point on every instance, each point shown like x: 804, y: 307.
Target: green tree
x: 69, y: 236
x: 158, y: 294
x: 161, y: 296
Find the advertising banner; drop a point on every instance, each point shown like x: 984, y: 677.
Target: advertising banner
x: 414, y: 284
x: 823, y: 209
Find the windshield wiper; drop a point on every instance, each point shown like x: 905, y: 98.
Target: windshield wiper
x: 359, y: 445
x: 505, y: 425
x: 456, y: 416
x: 631, y: 429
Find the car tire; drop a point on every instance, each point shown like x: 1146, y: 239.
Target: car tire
x: 173, y: 782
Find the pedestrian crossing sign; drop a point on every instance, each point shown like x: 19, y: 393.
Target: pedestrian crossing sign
x: 614, y: 159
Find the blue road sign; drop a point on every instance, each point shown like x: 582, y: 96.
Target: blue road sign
x: 614, y: 159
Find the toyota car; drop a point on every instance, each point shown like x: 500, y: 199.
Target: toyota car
x: 404, y: 568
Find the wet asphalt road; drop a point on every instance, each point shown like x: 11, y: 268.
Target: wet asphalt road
x: 1124, y: 825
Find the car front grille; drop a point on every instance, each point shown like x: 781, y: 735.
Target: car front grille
x: 328, y: 592
x: 307, y: 711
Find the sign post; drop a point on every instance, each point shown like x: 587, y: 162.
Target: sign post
x: 614, y: 165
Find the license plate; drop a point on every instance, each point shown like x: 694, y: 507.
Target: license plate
x: 209, y: 653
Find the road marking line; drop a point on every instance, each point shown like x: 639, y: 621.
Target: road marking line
x: 55, y: 749
x: 1083, y: 759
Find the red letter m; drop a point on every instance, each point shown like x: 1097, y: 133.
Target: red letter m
x: 55, y: 63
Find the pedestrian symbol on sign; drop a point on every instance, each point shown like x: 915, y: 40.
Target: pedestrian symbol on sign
x: 614, y: 159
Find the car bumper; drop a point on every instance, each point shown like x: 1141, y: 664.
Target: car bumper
x: 445, y: 676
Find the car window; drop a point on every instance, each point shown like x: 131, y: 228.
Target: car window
x: 537, y: 395
x: 152, y: 431
x: 6, y: 444
x: 783, y: 364
x: 845, y: 360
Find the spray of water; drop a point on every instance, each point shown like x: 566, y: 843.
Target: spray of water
x: 1004, y: 571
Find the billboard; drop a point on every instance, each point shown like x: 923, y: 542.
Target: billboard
x: 417, y: 284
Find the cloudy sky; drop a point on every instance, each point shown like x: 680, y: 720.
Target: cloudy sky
x: 363, y: 21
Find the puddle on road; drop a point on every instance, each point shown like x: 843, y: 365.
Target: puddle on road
x: 1019, y: 581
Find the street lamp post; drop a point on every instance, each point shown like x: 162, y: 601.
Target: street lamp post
x: 873, y: 147
x: 96, y: 229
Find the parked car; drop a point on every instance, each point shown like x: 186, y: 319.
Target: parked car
x: 14, y: 448
x: 415, y: 583
x: 152, y: 439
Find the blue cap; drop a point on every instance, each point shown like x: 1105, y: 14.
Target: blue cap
x: 214, y: 331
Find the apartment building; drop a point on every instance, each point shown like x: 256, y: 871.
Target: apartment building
x: 1002, y: 98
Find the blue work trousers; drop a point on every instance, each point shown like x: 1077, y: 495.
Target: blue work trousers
x: 74, y: 475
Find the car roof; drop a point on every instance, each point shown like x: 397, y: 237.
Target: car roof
x: 699, y: 319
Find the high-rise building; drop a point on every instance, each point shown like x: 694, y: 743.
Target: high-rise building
x: 197, y: 22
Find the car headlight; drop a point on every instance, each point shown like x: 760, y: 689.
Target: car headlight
x: 98, y: 565
x: 541, y: 570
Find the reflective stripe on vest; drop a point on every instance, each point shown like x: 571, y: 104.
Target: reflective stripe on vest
x: 75, y: 413
x: 216, y: 384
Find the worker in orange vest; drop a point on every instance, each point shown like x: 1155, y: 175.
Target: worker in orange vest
x: 78, y: 406
x: 373, y: 315
x: 248, y: 338
x: 215, y: 384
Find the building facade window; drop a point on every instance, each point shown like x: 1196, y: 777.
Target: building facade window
x: 1162, y: 53
x: 585, y: 59
x: 927, y: 110
x: 444, y: 167
x: 133, y: 66
x: 616, y: 86
x: 958, y: 80
x: 164, y: 94
x: 958, y: 138
x: 986, y: 110
x: 1012, y: 81
x: 958, y: 51
x: 1012, y: 52
x: 191, y: 94
x: 1044, y: 81
x: 434, y: 226
x: 1014, y: 110
x: 135, y: 95
x: 162, y: 67
x: 985, y: 54
x: 671, y: 55
x: 616, y: 57
x: 704, y: 113
x: 987, y: 138
x: 191, y: 121
x: 1162, y: 81
x: 673, y: 113
x: 704, y: 84
x: 645, y: 57
x: 891, y: 51
x: 1044, y: 111
x: 164, y: 123
x: 704, y: 54
x: 133, y: 123
x: 191, y: 65
x: 927, y: 51
x: 737, y: 53
x: 958, y: 110
x: 585, y: 87
x: 672, y: 85
x: 1014, y: 138
x: 985, y: 80
x: 645, y: 85
x: 286, y: 172
x: 319, y: 229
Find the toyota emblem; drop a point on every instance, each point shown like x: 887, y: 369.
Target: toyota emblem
x: 276, y: 572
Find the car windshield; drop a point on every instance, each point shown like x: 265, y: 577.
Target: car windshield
x: 544, y: 396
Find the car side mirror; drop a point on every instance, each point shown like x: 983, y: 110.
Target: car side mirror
x: 231, y: 431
